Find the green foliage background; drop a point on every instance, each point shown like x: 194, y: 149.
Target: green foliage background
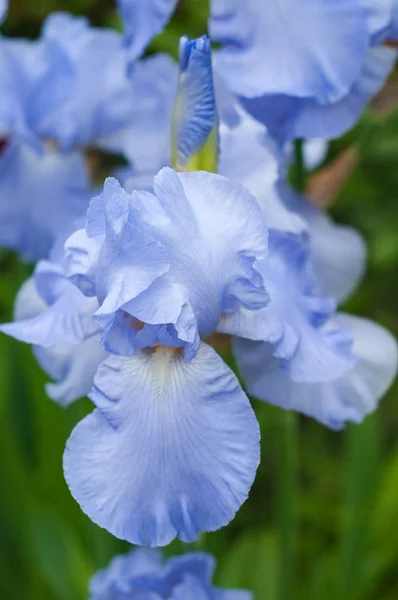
x: 321, y: 521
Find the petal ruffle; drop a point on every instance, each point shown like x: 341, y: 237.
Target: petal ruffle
x: 347, y: 398
x: 155, y: 461
x: 292, y: 321
x: 288, y: 118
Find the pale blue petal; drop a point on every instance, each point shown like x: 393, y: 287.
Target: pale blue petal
x: 250, y: 156
x: 3, y: 9
x: 72, y: 367
x: 155, y: 461
x: 28, y: 302
x: 40, y: 195
x: 288, y: 118
x: 36, y: 78
x: 119, y: 576
x: 145, y: 139
x: 338, y: 252
x: 379, y: 14
x: 66, y: 320
x: 196, y: 113
x: 190, y: 589
x: 311, y: 48
x: 142, y: 21
x: 348, y: 398
x: 292, y: 321
x: 338, y: 255
x: 392, y: 32
x: 102, y: 98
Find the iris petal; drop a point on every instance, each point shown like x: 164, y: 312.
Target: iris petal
x: 347, y: 398
x: 171, y: 450
x: 311, y: 48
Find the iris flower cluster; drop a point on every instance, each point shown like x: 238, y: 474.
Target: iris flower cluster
x: 199, y: 234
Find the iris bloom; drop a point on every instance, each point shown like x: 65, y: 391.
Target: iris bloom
x: 173, y: 445
x: 142, y: 573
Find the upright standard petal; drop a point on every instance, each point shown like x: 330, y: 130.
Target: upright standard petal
x: 41, y: 194
x: 309, y: 49
x: 347, y: 398
x: 250, y: 156
x: 142, y: 21
x: 204, y: 236
x: 195, y: 116
x: 155, y: 461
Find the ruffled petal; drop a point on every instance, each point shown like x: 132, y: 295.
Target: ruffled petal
x: 292, y: 321
x: 314, y: 48
x: 347, y: 398
x: 142, y: 21
x: 288, y: 118
x: 165, y: 266
x: 154, y: 461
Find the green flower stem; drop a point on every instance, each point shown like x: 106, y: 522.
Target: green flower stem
x: 286, y: 498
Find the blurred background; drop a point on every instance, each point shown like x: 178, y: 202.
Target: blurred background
x: 321, y: 521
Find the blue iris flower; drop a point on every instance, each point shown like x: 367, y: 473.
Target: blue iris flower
x: 142, y: 573
x: 153, y: 274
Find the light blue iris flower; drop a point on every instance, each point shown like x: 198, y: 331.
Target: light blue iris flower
x: 157, y: 271
x: 142, y: 574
